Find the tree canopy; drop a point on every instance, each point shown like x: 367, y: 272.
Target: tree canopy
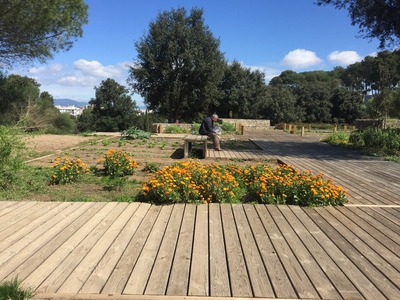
x: 112, y: 108
x: 179, y: 65
x: 376, y: 18
x: 33, y: 29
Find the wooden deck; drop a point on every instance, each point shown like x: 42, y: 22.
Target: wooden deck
x: 141, y: 251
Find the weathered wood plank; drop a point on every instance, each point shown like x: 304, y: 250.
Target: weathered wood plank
x: 40, y: 256
x: 140, y: 274
x: 120, y: 275
x: 240, y: 281
x: 219, y: 277
x: 276, y: 272
x: 180, y: 270
x: 65, y: 264
x: 259, y: 279
x: 306, y: 233
x: 86, y: 266
x: 158, y: 280
x: 199, y: 272
x: 298, y: 277
x: 100, y: 275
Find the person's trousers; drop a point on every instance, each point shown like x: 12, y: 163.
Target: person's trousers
x: 215, y: 139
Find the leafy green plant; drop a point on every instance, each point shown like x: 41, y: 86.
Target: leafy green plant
x: 228, y: 127
x: 337, y: 138
x: 106, y: 142
x: 12, y: 290
x: 195, y: 128
x: 134, y: 133
x: 67, y: 170
x: 11, y: 155
x: 162, y: 145
x: 151, y: 167
x: 175, y: 129
x: 152, y: 144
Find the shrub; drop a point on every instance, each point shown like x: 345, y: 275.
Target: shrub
x: 175, y: 129
x: 337, y: 138
x: 67, y: 170
x: 134, y: 133
x: 194, y: 182
x: 118, y: 163
x: 228, y: 127
x: 195, y: 128
x: 11, y: 155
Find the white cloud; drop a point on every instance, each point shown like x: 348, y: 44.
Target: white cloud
x: 53, y: 68
x: 301, y: 58
x: 344, y: 58
x: 96, y: 69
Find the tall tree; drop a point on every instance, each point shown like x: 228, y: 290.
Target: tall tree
x: 33, y: 29
x: 179, y: 65
x: 376, y: 18
x: 113, y: 108
x: 241, y: 88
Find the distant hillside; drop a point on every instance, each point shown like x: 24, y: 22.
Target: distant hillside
x: 69, y: 102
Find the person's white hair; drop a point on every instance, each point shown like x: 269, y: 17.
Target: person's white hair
x: 214, y: 116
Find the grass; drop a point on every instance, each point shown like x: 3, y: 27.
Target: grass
x: 12, y: 290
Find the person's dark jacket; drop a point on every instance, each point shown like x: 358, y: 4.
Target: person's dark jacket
x: 207, y: 126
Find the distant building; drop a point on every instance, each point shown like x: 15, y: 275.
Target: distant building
x: 71, y: 109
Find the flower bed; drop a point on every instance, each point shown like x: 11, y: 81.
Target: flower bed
x: 192, y: 182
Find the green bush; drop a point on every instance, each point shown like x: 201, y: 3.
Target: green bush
x: 195, y: 128
x: 228, y: 127
x: 11, y: 155
x: 134, y: 133
x: 175, y: 129
x: 12, y: 290
x: 337, y: 138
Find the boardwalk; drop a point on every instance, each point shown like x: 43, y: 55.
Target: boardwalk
x: 140, y: 251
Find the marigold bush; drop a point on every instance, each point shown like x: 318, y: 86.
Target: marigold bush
x: 193, y: 182
x: 67, y: 170
x: 118, y: 163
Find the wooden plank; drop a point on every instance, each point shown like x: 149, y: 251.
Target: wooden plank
x: 297, y: 276
x: 338, y: 278
x: 380, y: 233
x: 365, y: 243
x: 72, y: 255
x: 240, y: 281
x: 39, y: 234
x: 368, y: 262
x: 219, y: 277
x: 12, y: 217
x: 100, y: 275
x: 141, y: 272
x: 317, y: 276
x: 38, y: 257
x: 180, y: 270
x: 380, y: 215
x: 259, y: 279
x: 8, y: 207
x: 81, y: 272
x: 120, y: 275
x: 158, y: 280
x: 327, y: 237
x: 279, y: 279
x: 199, y: 271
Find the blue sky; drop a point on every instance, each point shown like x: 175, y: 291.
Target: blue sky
x: 268, y: 35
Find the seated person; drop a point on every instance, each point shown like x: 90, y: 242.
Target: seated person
x: 207, y: 128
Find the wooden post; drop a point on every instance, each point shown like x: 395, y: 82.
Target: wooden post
x: 302, y: 131
x: 335, y: 128
x: 290, y: 128
x: 284, y: 126
x: 294, y: 131
x: 309, y: 127
x: 242, y: 129
x: 345, y: 128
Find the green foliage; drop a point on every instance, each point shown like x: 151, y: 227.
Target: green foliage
x: 113, y: 108
x: 67, y: 170
x: 337, y: 138
x: 179, y: 65
x: 134, y: 133
x: 195, y: 128
x: 11, y: 155
x: 63, y: 124
x: 228, y: 127
x: 175, y: 129
x: 43, y: 27
x: 12, y: 290
x: 151, y: 167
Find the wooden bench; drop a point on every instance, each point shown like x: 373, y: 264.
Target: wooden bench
x: 191, y: 138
